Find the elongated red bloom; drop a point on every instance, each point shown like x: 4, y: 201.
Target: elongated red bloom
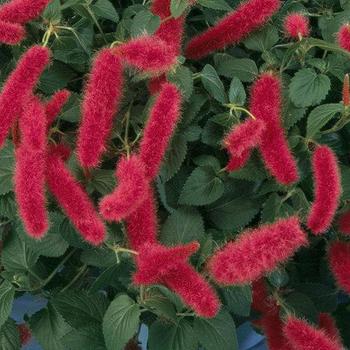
x: 242, y: 139
x: 327, y: 190
x: 142, y: 224
x: 24, y: 334
x: 30, y: 169
x: 55, y: 105
x: 238, y: 162
x: 302, y: 336
x: 249, y: 16
x: 266, y: 97
x: 327, y: 323
x: 257, y: 252
x: 101, y: 100
x: 339, y: 261
x: 148, y: 54
x: 346, y: 91
x: 72, y: 198
x: 155, y: 84
x: 130, y: 192
x: 344, y: 223
x: 296, y: 25
x: 19, y: 85
x: 11, y: 33
x: 22, y: 11
x: 158, y: 264
x: 344, y: 37
x: 162, y: 122
x: 161, y: 8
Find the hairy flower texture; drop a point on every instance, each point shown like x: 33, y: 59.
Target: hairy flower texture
x: 303, y: 336
x: 344, y: 223
x: 130, y: 192
x: 327, y: 189
x: 344, y: 37
x: 101, y: 100
x: 29, y: 176
x: 72, y: 198
x: 55, y: 104
x: 339, y: 261
x: 262, y: 302
x: 266, y: 106
x: 242, y: 139
x: 19, y: 86
x: 25, y: 335
x: 157, y: 264
x: 162, y: 122
x: 257, y: 252
x: 149, y: 54
x: 346, y: 91
x: 142, y: 224
x: 327, y: 323
x: 155, y: 84
x: 238, y: 162
x: 296, y: 26
x: 22, y: 11
x: 11, y: 33
x: 237, y: 25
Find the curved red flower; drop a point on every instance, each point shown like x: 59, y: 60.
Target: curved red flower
x: 344, y: 37
x: 296, y: 25
x: 11, y: 33
x: 55, y: 104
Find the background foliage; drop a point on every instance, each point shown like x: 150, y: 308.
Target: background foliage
x: 197, y: 199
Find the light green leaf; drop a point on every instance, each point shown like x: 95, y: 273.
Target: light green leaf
x: 182, y: 77
x: 215, y: 4
x: 178, y: 7
x: 144, y: 22
x: 105, y: 9
x: 237, y: 93
x: 7, y: 293
x: 213, y: 84
x: 9, y: 336
x: 262, y: 40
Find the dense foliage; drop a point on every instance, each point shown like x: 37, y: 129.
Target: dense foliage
x: 93, y: 300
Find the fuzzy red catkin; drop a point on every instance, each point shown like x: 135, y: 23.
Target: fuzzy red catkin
x: 296, y: 25
x: 130, y: 192
x: 238, y: 162
x: 24, y: 334
x: 155, y: 84
x: 339, y: 261
x: 344, y: 37
x: 302, y: 336
x: 344, y: 223
x: 327, y: 189
x: 257, y: 252
x: 22, y: 11
x: 11, y: 33
x: 30, y: 167
x: 148, y: 53
x: 72, y: 198
x: 249, y: 16
x: 142, y: 224
x: 19, y: 85
x: 327, y: 323
x: 164, y: 116
x: 158, y: 264
x: 101, y: 100
x: 55, y: 104
x: 266, y: 105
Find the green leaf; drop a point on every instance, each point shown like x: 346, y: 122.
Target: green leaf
x: 320, y: 116
x: 182, y: 226
x: 238, y: 299
x: 308, y: 88
x: 278, y: 278
x: 178, y: 7
x: 182, y: 77
x: 213, y: 84
x: 8, y: 206
x: 202, y: 187
x: 237, y: 93
x: 7, y: 293
x: 121, y: 322
x: 216, y: 333
x: 89, y: 337
x: 48, y: 328
x: 9, y: 336
x: 172, y: 336
x: 302, y: 306
x: 52, y: 12
x: 262, y: 40
x: 144, y: 22
x: 6, y: 168
x: 215, y: 4
x: 102, y: 181
x: 105, y: 9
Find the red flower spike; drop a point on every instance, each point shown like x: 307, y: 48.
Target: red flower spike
x: 257, y: 252
x: 266, y: 97
x: 339, y: 261
x: 148, y: 53
x: 296, y: 26
x: 238, y: 162
x: 11, y: 33
x: 161, y: 8
x: 237, y: 25
x: 22, y: 11
x: 327, y: 323
x: 346, y: 91
x: 55, y: 105
x: 261, y: 300
x: 344, y: 37
x: 101, y: 100
x: 327, y: 190
x: 130, y: 192
x: 72, y: 198
x: 29, y: 178
x: 302, y: 335
x: 19, y: 86
x: 155, y: 84
x: 344, y: 223
x: 142, y: 224
x: 162, y: 122
x: 158, y: 264
x: 25, y: 335
x: 242, y: 139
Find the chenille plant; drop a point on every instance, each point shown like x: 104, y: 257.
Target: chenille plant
x: 178, y: 165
